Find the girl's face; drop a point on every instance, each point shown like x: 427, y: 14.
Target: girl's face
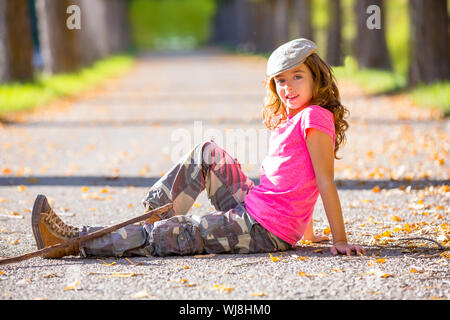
x: 295, y: 88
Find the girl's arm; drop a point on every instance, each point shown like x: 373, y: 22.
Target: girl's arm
x: 313, y: 236
x: 321, y: 151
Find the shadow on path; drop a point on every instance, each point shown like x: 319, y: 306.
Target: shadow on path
x: 133, y: 122
x: 112, y: 181
x: 189, y: 121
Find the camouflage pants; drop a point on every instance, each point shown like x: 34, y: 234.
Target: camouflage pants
x: 230, y: 229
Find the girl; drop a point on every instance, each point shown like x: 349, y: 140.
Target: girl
x: 303, y: 109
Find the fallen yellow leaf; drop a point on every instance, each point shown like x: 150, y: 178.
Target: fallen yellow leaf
x: 106, y: 263
x: 74, y: 285
x: 274, y: 259
x: 379, y: 273
x: 444, y: 226
x: 84, y: 189
x: 414, y: 270
x: 407, y: 228
x: 14, y: 213
x: 259, y: 294
x: 223, y: 288
x: 33, y: 180
x: 144, y: 170
x: 371, y: 219
x: 21, y: 188
x: 385, y: 275
x: 387, y: 233
x: 6, y: 170
x: 141, y: 295
x: 326, y: 230
x: 190, y: 285
x: 381, y: 260
x: 122, y: 275
x: 396, y: 218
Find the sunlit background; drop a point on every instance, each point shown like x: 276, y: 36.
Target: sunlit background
x: 41, y: 58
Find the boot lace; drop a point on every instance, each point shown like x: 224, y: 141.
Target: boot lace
x: 59, y: 226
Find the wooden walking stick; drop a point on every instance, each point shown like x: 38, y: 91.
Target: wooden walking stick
x: 87, y: 237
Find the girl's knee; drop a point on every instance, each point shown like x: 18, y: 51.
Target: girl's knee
x: 208, y: 146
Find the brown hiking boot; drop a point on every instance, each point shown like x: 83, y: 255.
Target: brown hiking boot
x: 49, y: 229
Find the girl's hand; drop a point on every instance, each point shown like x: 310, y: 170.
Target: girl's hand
x: 347, y: 249
x: 316, y: 237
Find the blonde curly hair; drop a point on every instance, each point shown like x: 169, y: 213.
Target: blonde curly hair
x: 325, y: 94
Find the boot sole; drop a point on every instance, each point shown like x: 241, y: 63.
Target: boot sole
x: 39, y: 203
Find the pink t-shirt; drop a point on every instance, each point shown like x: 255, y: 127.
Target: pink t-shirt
x: 284, y: 200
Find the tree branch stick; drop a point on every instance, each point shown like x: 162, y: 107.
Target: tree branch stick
x: 87, y: 237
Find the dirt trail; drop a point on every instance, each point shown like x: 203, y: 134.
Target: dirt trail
x: 95, y: 158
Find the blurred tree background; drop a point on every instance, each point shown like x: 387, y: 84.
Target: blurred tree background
x: 171, y: 24
x: 410, y: 50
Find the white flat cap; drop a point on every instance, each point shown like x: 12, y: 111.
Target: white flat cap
x: 289, y: 55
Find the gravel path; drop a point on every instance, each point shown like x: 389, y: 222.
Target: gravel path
x: 95, y: 158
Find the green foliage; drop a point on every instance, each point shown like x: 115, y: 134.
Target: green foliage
x: 373, y: 81
x: 171, y: 24
x: 436, y: 95
x: 319, y: 21
x: 348, y: 26
x: 22, y: 96
x: 397, y: 34
x: 320, y: 17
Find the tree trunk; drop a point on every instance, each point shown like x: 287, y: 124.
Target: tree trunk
x: 265, y: 38
x: 301, y: 16
x: 370, y: 44
x: 253, y: 28
x: 117, y: 25
x: 16, y: 44
x: 94, y: 37
x: 281, y: 21
x: 219, y: 27
x: 334, y: 42
x: 59, y: 45
x: 241, y: 22
x: 224, y: 23
x: 429, y: 42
